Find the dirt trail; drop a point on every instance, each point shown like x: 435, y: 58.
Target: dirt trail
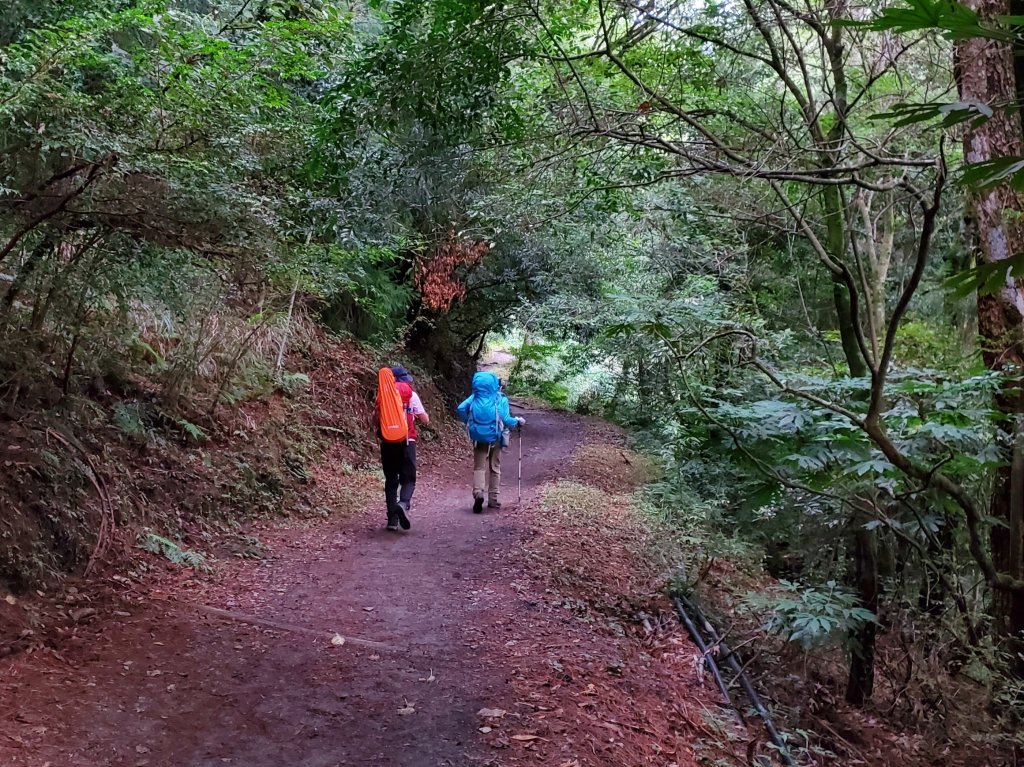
x: 159, y: 684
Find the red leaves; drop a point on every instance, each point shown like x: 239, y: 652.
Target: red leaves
x: 438, y: 277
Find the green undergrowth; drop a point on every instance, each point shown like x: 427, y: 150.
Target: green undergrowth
x: 560, y: 374
x: 173, y: 551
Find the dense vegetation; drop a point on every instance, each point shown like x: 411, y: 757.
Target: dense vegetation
x: 781, y: 241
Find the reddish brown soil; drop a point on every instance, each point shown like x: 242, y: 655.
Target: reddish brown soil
x: 471, y: 618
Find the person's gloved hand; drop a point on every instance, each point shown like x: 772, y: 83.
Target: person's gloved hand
x: 521, y: 424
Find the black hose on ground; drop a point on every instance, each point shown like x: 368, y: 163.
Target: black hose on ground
x: 748, y: 687
x: 687, y: 608
x: 708, y: 659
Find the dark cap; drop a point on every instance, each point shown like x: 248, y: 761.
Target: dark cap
x: 401, y: 374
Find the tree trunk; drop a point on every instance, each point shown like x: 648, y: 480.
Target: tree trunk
x: 836, y: 241
x: 861, y: 681
x: 876, y: 244
x: 997, y: 214
x: 862, y: 545
x: 36, y: 257
x: 847, y: 330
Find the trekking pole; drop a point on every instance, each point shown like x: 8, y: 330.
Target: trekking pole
x: 520, y: 466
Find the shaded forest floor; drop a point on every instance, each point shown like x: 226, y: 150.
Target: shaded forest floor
x: 521, y: 636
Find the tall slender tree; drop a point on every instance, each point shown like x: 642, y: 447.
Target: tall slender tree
x: 985, y: 72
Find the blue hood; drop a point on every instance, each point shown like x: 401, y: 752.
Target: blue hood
x: 485, y: 385
x: 485, y: 411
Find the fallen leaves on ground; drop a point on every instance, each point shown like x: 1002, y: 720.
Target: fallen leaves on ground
x: 602, y: 673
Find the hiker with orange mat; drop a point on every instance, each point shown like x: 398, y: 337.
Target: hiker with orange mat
x: 398, y: 409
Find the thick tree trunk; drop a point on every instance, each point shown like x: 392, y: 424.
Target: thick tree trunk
x: 847, y: 330
x: 861, y: 681
x: 836, y: 241
x: 997, y: 214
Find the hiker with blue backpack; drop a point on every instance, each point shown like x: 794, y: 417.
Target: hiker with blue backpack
x: 486, y: 414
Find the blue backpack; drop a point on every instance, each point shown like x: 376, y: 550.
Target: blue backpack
x: 485, y: 425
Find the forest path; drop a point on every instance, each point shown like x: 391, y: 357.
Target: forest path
x: 161, y: 684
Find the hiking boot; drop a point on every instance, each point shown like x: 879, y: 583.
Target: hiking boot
x: 392, y: 521
x: 478, y: 505
x: 392, y: 526
x: 494, y: 504
x: 403, y: 519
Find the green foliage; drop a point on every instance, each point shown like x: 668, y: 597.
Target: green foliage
x: 986, y: 279
x: 362, y: 293
x: 808, y: 616
x: 143, y: 117
x: 173, y: 552
x: 955, y: 20
x: 192, y: 430
x: 293, y: 383
x: 564, y: 374
x: 538, y: 373
x: 922, y: 345
x: 128, y: 418
x: 946, y: 115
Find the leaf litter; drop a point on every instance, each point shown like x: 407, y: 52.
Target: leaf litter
x: 595, y: 684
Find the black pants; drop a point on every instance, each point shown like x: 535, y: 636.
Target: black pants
x: 398, y: 459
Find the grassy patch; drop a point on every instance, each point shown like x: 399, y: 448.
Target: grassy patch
x: 575, y: 500
x: 611, y: 467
